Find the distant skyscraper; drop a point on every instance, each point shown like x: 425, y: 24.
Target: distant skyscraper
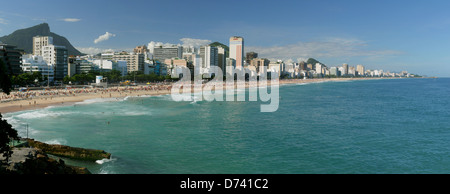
x: 209, y: 56
x: 221, y: 54
x: 351, y: 71
x: 345, y: 66
x: 39, y: 42
x: 360, y: 70
x: 237, y: 50
x: 318, y: 68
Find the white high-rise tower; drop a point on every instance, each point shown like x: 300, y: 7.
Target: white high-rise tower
x: 237, y: 50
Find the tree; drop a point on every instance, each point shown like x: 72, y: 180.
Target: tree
x: 5, y: 80
x: 7, y: 133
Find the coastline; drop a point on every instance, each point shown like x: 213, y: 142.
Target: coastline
x: 66, y: 100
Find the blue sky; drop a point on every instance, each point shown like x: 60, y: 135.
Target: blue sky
x: 390, y: 35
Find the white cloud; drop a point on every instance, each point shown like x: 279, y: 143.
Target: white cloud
x: 3, y: 21
x: 93, y: 50
x: 152, y: 44
x: 71, y: 19
x: 331, y: 47
x: 104, y: 37
x: 194, y: 42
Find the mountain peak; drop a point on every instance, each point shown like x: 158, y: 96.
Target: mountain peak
x: 23, y: 38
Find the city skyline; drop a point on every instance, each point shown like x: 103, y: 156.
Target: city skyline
x: 390, y: 35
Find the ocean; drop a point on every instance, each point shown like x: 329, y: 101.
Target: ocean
x: 389, y: 126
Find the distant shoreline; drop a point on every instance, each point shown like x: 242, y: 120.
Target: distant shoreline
x: 65, y: 100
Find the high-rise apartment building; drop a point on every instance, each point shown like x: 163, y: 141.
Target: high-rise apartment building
x: 319, y: 68
x: 237, y: 50
x: 209, y: 56
x: 360, y: 70
x: 135, y: 61
x: 39, y: 42
x: 221, y: 54
x: 56, y: 56
x: 345, y: 66
x: 12, y: 58
x: 351, y: 71
x: 167, y: 52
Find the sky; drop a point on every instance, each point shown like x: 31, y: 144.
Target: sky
x: 383, y: 34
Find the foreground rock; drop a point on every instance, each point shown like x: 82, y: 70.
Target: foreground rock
x: 35, y: 161
x: 31, y: 157
x: 70, y: 152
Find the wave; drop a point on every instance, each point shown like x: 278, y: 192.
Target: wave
x: 95, y: 100
x: 42, y: 113
x: 105, y: 160
x: 21, y: 126
x: 133, y: 113
x: 56, y: 142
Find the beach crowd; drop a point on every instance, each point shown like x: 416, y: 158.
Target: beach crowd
x: 68, y: 91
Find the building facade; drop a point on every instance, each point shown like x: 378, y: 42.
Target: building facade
x: 360, y: 70
x: 56, y: 56
x: 209, y: 56
x: 221, y: 58
x: 135, y: 61
x: 167, y: 52
x: 345, y: 66
x: 39, y: 42
x: 237, y: 50
x: 12, y: 58
x: 36, y: 63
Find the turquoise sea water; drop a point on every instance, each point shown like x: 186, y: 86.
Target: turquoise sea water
x: 367, y: 126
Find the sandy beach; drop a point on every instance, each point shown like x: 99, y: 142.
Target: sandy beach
x: 20, y: 101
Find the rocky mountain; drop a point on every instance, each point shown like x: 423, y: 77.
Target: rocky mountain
x: 23, y: 38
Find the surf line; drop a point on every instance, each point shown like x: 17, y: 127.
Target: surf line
x: 235, y: 78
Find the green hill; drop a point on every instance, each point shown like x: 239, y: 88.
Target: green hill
x: 313, y: 62
x: 23, y: 38
x: 216, y: 44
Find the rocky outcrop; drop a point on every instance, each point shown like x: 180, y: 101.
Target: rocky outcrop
x: 70, y: 152
x: 34, y: 161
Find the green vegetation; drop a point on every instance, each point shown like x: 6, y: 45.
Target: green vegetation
x: 26, y: 79
x: 217, y: 44
x: 7, y: 133
x: 313, y: 62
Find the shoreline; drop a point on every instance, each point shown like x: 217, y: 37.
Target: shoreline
x: 42, y: 102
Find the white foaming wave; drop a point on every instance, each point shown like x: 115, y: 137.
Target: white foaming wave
x: 40, y: 114
x: 20, y: 126
x: 143, y: 96
x: 105, y: 160
x: 56, y: 141
x: 95, y: 100
x: 134, y: 113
